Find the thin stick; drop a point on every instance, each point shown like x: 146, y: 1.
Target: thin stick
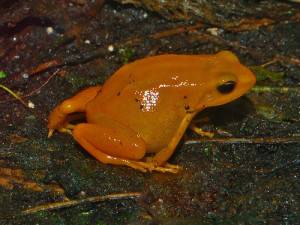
x: 282, y: 90
x: 40, y: 87
x: 258, y: 140
x: 71, y: 203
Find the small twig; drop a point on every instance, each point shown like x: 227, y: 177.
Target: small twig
x: 45, y: 66
x: 282, y: 90
x: 40, y: 87
x: 248, y: 24
x: 269, y: 62
x: 67, y: 204
x: 259, y: 140
x: 164, y: 34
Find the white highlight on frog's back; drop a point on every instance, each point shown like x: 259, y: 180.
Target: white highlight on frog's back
x: 149, y: 100
x: 181, y: 84
x: 175, y: 77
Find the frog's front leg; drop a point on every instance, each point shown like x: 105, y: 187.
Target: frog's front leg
x: 163, y: 155
x: 58, y: 118
x: 113, y: 143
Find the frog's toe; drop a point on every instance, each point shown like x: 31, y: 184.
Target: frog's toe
x: 171, y: 168
x: 167, y: 168
x: 201, y: 132
x: 65, y: 130
x: 70, y: 126
x: 139, y: 167
x: 50, y: 132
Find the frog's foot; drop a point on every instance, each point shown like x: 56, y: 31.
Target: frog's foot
x: 150, y: 166
x: 201, y: 132
x: 65, y: 129
x: 50, y: 132
x: 56, y: 120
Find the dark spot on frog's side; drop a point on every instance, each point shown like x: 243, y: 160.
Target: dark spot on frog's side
x: 188, y: 109
x: 119, y: 93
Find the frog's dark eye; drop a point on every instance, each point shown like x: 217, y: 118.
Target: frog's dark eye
x: 226, y: 87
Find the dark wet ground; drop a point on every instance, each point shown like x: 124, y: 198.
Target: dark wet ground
x: 247, y: 174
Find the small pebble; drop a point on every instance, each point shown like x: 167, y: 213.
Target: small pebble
x: 31, y: 104
x: 111, y: 48
x: 87, y: 42
x: 82, y: 193
x: 25, y: 75
x: 160, y: 200
x: 49, y: 30
x: 214, y: 31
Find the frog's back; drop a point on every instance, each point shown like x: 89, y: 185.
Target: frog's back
x: 152, y: 71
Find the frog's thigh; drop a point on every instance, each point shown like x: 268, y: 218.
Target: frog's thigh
x: 78, y: 102
x: 110, y: 144
x: 59, y: 117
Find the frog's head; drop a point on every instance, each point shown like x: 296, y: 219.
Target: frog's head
x: 228, y: 80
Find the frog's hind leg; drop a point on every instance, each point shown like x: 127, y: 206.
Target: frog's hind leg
x: 112, y: 143
x: 59, y: 118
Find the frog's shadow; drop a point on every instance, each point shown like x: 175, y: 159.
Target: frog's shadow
x: 224, y: 114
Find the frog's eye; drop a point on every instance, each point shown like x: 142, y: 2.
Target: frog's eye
x: 226, y: 87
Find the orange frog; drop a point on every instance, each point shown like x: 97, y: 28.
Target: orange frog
x: 146, y: 106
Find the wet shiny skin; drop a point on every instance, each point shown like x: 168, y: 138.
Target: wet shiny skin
x: 147, y: 105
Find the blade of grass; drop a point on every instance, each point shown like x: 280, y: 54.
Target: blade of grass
x: 13, y: 94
